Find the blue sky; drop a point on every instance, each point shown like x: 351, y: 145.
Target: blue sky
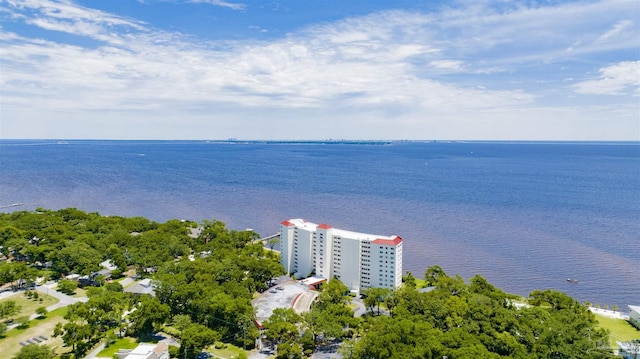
x: 318, y: 69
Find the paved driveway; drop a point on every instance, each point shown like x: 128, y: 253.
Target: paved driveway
x: 64, y: 299
x: 283, y: 298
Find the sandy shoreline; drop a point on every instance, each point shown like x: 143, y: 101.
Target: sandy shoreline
x: 609, y: 313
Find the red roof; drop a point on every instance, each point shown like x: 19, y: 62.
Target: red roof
x: 325, y: 226
x: 389, y: 242
x: 286, y: 223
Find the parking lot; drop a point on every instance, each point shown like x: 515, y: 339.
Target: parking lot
x: 281, y: 295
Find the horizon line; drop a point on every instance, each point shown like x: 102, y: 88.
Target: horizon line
x: 328, y: 140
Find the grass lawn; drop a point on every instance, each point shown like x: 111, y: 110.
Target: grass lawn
x: 231, y: 351
x: 420, y: 283
x: 80, y: 292
x: 10, y: 342
x: 619, y: 329
x: 122, y: 343
x: 29, y: 306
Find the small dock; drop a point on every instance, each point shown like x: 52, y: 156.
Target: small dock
x: 11, y: 205
x: 276, y: 235
x: 265, y: 241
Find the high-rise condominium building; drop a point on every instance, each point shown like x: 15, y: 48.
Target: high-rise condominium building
x: 359, y: 260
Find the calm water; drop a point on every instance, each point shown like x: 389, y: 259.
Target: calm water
x: 525, y: 216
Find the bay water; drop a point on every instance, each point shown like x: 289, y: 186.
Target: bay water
x: 524, y: 215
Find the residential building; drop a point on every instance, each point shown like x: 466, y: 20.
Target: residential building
x: 359, y: 260
x: 634, y: 315
x: 146, y: 351
x: 630, y: 349
x: 144, y: 286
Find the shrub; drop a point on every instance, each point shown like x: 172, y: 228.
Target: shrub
x: 220, y: 345
x: 42, y: 311
x: 67, y: 286
x: 111, y: 338
x: 116, y: 273
x: 114, y: 287
x: 23, y: 322
x: 174, y: 351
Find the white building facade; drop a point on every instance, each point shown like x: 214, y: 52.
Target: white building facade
x: 634, y: 315
x: 359, y: 260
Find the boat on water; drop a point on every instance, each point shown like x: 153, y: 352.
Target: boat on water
x: 571, y: 280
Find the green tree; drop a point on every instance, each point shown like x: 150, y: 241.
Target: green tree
x: 10, y: 234
x: 409, y: 280
x: 114, y: 287
x: 334, y: 292
x: 75, y: 334
x: 375, y: 296
x: 117, y: 256
x: 149, y: 313
x: 3, y: 328
x: 67, y: 286
x: 77, y: 257
x: 196, y: 337
x: 23, y: 322
x: 35, y: 351
x: 42, y: 311
x: 331, y: 314
x: 9, y: 308
x: 433, y: 274
x: 282, y: 325
x: 99, y: 280
x: 181, y: 321
x: 289, y: 350
x: 19, y: 274
x: 273, y: 242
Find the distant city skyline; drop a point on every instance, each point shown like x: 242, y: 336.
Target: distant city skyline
x: 254, y: 70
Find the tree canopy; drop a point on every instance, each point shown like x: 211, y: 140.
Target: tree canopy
x: 209, y: 279
x: 205, y: 284
x: 477, y: 320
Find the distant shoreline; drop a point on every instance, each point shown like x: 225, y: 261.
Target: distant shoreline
x: 234, y: 141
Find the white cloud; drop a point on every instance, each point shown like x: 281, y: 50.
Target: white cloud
x: 389, y: 67
x: 619, y: 28
x: 451, y: 65
x: 617, y: 79
x: 233, y: 6
x: 66, y: 16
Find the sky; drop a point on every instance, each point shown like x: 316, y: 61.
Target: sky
x: 320, y: 69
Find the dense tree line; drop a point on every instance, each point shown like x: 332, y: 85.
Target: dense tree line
x: 72, y: 241
x: 215, y: 289
x: 204, y: 282
x: 453, y: 319
x: 476, y: 320
x: 204, y: 285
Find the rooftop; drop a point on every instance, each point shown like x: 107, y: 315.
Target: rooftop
x: 148, y: 351
x: 310, y: 226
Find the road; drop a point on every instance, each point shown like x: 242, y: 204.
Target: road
x: 95, y: 352
x: 360, y: 310
x: 64, y: 300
